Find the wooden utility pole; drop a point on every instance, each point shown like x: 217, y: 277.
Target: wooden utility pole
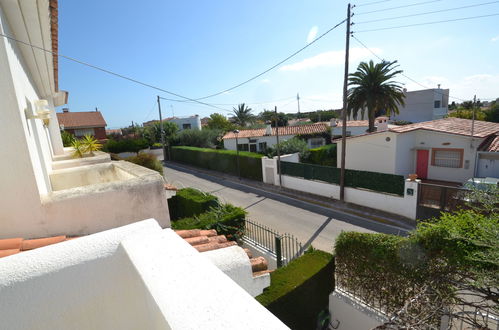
x: 298, y: 100
x: 278, y: 147
x: 345, y: 105
x: 161, y: 129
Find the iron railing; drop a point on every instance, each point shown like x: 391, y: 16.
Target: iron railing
x: 284, y: 247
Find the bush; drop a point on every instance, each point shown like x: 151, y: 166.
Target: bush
x: 205, y: 138
x: 290, y: 146
x: 388, y: 183
x: 147, y: 160
x: 220, y: 160
x: 189, y: 202
x: 125, y: 145
x: 300, y: 291
x: 226, y: 219
x: 67, y: 138
x: 325, y: 155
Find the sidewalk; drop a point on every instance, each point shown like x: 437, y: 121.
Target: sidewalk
x: 402, y: 223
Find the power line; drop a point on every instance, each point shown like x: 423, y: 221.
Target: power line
x: 371, y: 3
x: 398, y: 7
x: 274, y: 66
x: 110, y: 72
x: 414, y: 81
x: 427, y: 13
x: 247, y: 103
x: 427, y: 23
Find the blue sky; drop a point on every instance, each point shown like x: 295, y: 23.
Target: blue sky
x: 196, y: 48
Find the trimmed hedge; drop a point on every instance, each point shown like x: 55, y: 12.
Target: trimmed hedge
x: 387, y: 183
x: 147, y: 160
x: 325, y: 155
x: 189, y: 202
x: 221, y: 160
x: 226, y: 219
x: 300, y: 291
x: 125, y: 145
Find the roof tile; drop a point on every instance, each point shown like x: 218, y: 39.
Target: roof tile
x: 287, y: 130
x: 11, y: 243
x: 81, y: 119
x: 31, y: 244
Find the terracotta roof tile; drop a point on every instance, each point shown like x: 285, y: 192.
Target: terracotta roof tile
x: 9, y: 252
x: 81, y: 119
x: 31, y: 244
x: 353, y: 123
x: 288, y: 130
x: 196, y: 232
x: 491, y: 144
x: 258, y: 264
x: 11, y: 246
x: 11, y: 243
x: 453, y: 126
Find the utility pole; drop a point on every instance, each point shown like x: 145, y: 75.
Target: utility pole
x: 278, y: 147
x: 162, y: 130
x: 298, y: 100
x: 173, y: 113
x: 345, y: 105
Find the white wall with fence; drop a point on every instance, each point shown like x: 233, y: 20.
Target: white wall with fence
x: 405, y: 205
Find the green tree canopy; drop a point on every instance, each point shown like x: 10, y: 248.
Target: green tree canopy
x: 218, y: 121
x: 242, y: 115
x: 268, y: 116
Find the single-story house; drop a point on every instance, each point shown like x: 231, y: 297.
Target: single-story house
x: 449, y: 149
x: 357, y: 127
x: 256, y: 140
x: 82, y: 123
x: 191, y: 122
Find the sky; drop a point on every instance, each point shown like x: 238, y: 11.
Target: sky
x: 198, y: 48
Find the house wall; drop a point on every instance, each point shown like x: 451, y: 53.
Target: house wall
x: 348, y: 313
x: 194, y: 121
x: 354, y: 130
x: 99, y: 132
x: 230, y: 144
x: 488, y: 165
x: 420, y: 105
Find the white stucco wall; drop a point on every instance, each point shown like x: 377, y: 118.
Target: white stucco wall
x: 349, y: 314
x: 354, y: 130
x: 230, y: 144
x: 420, y: 105
x: 194, y: 121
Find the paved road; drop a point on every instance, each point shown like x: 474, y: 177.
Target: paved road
x: 310, y: 223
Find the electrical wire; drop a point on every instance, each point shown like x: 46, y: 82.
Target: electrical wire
x: 426, y: 13
x: 247, y: 103
x: 402, y: 74
x: 427, y: 23
x: 398, y: 7
x: 275, y: 65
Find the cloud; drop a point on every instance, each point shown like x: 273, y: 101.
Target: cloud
x: 330, y: 59
x: 312, y: 34
x: 496, y: 38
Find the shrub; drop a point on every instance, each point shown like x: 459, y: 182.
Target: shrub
x: 290, y: 146
x: 67, y: 138
x: 325, y: 155
x: 300, y: 291
x: 125, y: 145
x: 226, y: 219
x: 221, y: 160
x: 147, y: 160
x: 189, y: 202
x: 205, y: 138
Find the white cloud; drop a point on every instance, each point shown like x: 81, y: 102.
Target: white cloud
x: 330, y: 59
x: 312, y: 34
x: 496, y: 38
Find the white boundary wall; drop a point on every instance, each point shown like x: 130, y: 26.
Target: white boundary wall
x: 402, y: 205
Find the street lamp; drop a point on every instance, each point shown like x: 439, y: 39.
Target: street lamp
x: 236, y: 132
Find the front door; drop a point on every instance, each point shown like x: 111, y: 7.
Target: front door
x: 422, y: 163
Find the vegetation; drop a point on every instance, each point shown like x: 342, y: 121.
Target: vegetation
x: 322, y: 115
x: 125, y: 145
x: 268, y: 116
x: 67, y: 138
x: 243, y: 115
x: 299, y: 291
x: 205, y: 138
x: 153, y: 133
x: 90, y: 144
x: 221, y: 160
x: 226, y: 219
x: 290, y: 146
x: 219, y: 122
x: 147, y: 160
x: 325, y: 155
x: 465, y: 111
x: 468, y: 114
x: 372, y: 88
x: 190, y: 202
x: 78, y: 148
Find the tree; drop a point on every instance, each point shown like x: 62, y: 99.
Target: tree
x: 290, y: 147
x: 372, y: 88
x: 243, y: 115
x: 493, y: 113
x: 153, y: 133
x: 218, y: 121
x: 468, y: 105
x: 270, y: 116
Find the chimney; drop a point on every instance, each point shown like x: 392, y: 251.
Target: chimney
x: 65, y: 110
x: 382, y: 123
x: 438, y: 86
x: 268, y: 130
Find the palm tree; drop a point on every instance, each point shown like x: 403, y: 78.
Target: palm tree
x: 242, y: 115
x: 372, y: 88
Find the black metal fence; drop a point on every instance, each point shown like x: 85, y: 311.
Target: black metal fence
x: 284, y: 247
x: 434, y: 199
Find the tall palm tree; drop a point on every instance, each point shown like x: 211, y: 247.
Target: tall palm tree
x: 372, y: 88
x: 242, y: 115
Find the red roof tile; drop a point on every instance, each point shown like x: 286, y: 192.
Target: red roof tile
x: 11, y: 246
x: 453, y: 126
x: 81, y: 119
x: 287, y: 130
x: 491, y: 144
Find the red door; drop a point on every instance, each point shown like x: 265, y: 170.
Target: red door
x: 422, y: 163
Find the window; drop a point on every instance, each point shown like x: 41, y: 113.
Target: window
x: 447, y: 158
x: 186, y: 126
x: 437, y: 104
x: 243, y: 147
x: 262, y: 146
x: 316, y: 142
x: 84, y: 131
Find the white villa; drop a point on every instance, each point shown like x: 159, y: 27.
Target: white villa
x: 85, y: 242
x: 449, y: 149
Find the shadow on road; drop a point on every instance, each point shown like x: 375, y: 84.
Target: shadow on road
x: 253, y: 204
x: 324, y: 211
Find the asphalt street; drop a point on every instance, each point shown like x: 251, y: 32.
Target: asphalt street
x: 310, y: 223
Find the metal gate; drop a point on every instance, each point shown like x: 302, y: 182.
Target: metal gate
x: 434, y: 199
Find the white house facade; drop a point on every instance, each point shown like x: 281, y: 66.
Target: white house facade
x: 424, y: 105
x: 192, y: 122
x: 436, y: 150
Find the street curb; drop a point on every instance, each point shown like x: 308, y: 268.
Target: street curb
x: 395, y: 224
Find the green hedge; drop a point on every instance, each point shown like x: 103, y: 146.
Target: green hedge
x: 189, y: 202
x: 226, y: 219
x: 387, y: 183
x: 125, y: 145
x: 300, y: 291
x: 147, y: 160
x: 325, y: 155
x: 220, y: 160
